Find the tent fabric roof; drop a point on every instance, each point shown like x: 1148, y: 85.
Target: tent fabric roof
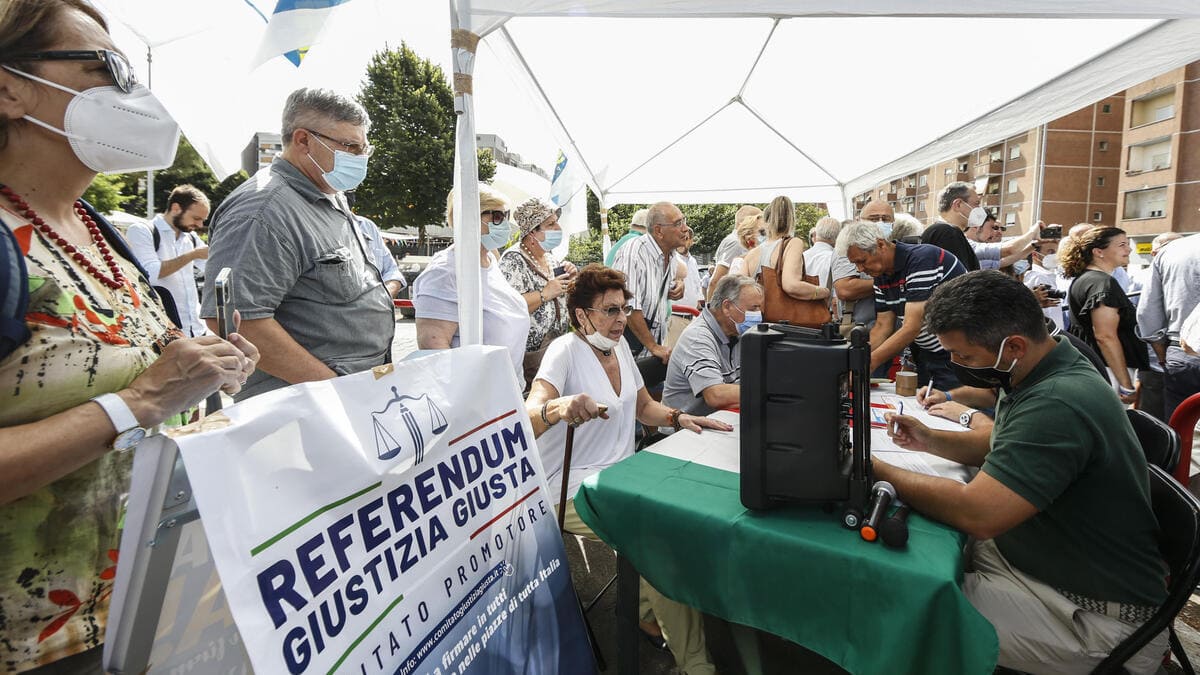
x: 714, y: 101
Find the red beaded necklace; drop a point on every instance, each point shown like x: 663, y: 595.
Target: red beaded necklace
x: 115, y: 282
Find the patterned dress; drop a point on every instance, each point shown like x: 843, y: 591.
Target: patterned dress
x: 58, y: 545
x: 548, y: 321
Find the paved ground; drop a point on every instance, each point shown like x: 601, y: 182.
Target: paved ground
x: 593, y: 564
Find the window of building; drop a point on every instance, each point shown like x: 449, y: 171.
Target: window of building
x: 1097, y: 216
x: 995, y: 156
x: 1099, y: 181
x: 923, y: 181
x: 1014, y: 152
x: 1149, y: 156
x: 1103, y: 146
x: 1154, y: 107
x: 1010, y: 218
x: 962, y: 167
x: 1012, y: 186
x: 949, y: 171
x: 921, y: 206
x: 1151, y: 203
x: 1106, y: 108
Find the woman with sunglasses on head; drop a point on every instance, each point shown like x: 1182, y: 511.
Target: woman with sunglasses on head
x: 538, y: 277
x: 582, y: 371
x: 435, y: 292
x: 90, y: 360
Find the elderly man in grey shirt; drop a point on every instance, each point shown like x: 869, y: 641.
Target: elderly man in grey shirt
x: 1167, y: 300
x: 705, y: 371
x: 310, y: 295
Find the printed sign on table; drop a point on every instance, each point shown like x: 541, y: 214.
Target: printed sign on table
x: 390, y: 522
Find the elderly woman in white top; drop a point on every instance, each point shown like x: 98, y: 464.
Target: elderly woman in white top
x: 539, y: 277
x: 435, y: 292
x: 581, y: 371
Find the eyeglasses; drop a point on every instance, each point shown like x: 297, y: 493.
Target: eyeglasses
x: 496, y: 216
x: 678, y: 223
x: 353, y: 148
x: 118, y: 66
x: 612, y: 312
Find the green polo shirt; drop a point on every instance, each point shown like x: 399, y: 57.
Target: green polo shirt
x: 1062, y: 441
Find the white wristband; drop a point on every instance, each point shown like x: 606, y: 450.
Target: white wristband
x: 118, y: 411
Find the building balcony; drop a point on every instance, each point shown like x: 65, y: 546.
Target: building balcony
x: 962, y: 176
x: 908, y: 192
x: 990, y: 200
x: 891, y: 196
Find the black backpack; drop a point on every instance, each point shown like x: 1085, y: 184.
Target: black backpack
x: 14, y: 282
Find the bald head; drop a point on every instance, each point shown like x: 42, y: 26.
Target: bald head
x: 1078, y: 230
x: 878, y: 211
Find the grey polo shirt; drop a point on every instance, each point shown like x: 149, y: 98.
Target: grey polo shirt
x: 703, y: 356
x: 300, y: 259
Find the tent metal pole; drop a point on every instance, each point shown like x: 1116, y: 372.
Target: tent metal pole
x: 466, y: 179
x: 754, y: 66
x: 672, y: 143
x: 788, y: 141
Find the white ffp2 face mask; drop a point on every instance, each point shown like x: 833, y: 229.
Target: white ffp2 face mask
x: 114, y: 132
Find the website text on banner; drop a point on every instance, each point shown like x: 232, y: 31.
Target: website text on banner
x: 390, y: 522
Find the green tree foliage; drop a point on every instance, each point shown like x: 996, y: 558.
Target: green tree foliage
x: 487, y: 165
x: 105, y: 193
x: 412, y: 127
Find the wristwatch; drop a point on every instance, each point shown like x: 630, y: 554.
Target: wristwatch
x: 129, y: 431
x: 965, y: 418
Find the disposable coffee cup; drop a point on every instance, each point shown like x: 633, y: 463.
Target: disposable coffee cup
x: 906, y: 383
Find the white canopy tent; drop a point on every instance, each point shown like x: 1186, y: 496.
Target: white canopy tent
x: 717, y: 101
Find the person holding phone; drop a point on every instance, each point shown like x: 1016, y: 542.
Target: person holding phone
x: 531, y: 268
x: 89, y: 357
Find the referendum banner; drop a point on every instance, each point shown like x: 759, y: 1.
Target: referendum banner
x: 394, y: 521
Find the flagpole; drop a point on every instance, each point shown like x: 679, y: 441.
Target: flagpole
x: 150, y: 173
x: 466, y: 178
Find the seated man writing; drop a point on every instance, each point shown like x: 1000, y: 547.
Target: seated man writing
x: 1065, y: 563
x: 706, y: 364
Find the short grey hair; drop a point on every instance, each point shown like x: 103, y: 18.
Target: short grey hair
x: 906, y: 226
x: 310, y: 107
x: 859, y: 234
x: 955, y: 190
x: 827, y: 229
x: 657, y: 215
x: 730, y: 288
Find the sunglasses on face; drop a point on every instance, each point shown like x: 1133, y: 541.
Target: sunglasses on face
x: 495, y: 217
x: 118, y: 66
x: 612, y: 312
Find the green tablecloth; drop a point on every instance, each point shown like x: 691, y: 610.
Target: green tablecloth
x: 794, y: 572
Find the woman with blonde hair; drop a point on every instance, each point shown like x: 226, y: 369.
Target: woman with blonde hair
x: 750, y: 231
x: 1101, y: 313
x: 435, y: 293
x: 779, y: 267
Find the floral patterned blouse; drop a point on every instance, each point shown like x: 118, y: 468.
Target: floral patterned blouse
x: 548, y: 321
x: 58, y: 545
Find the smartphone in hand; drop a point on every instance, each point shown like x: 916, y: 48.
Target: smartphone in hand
x: 223, y: 288
x: 559, y: 271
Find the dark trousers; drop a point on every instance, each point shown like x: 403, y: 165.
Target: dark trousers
x: 1151, y: 397
x: 934, y: 365
x: 1182, y: 380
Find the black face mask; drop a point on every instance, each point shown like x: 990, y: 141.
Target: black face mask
x: 986, y: 378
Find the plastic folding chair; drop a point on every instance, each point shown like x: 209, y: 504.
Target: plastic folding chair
x: 1183, y: 421
x: 1159, y: 442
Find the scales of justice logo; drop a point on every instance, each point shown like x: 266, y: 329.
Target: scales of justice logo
x: 419, y: 413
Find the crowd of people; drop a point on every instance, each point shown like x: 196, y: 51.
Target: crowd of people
x: 1034, y: 344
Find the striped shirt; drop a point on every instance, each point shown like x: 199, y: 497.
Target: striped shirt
x: 648, y: 276
x: 918, y: 270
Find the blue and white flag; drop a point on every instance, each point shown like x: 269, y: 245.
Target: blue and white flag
x: 293, y: 28
x: 562, y: 188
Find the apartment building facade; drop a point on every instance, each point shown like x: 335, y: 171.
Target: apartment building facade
x: 1131, y: 160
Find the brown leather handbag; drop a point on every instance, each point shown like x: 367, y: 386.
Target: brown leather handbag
x: 780, y: 307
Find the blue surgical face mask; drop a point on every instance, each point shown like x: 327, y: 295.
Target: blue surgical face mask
x: 497, y: 236
x: 760, y: 238
x: 348, y: 170
x: 1020, y: 267
x: 553, y: 239
x: 750, y: 319
x: 886, y: 228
